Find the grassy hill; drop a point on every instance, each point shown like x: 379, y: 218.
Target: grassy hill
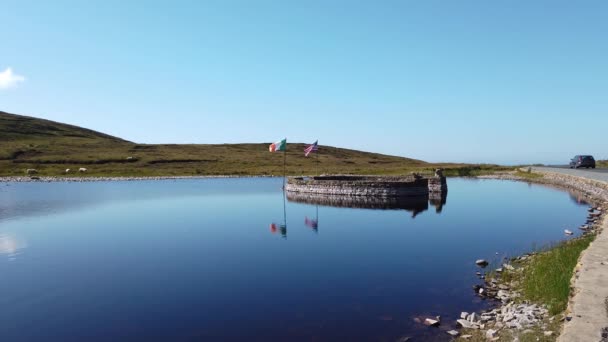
x: 51, y: 148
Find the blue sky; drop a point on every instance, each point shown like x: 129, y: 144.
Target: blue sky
x: 473, y: 81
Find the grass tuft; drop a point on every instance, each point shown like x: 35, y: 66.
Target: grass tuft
x: 546, y: 278
x: 528, y: 175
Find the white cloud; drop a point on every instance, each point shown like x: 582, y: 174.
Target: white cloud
x: 8, y: 79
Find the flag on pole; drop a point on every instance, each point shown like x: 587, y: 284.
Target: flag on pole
x: 311, y: 148
x: 278, y: 146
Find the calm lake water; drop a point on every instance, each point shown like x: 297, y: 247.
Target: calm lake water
x: 213, y: 259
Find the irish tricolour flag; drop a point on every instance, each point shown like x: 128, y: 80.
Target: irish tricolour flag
x: 278, y: 146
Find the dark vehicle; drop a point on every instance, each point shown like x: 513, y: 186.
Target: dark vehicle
x: 582, y: 161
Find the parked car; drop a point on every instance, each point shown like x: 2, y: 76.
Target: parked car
x: 582, y: 161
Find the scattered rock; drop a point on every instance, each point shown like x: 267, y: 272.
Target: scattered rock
x: 548, y: 333
x: 491, y: 333
x: 482, y: 263
x: 431, y: 322
x: 453, y: 333
x: 464, y: 323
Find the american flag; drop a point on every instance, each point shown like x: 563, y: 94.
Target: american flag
x: 311, y: 148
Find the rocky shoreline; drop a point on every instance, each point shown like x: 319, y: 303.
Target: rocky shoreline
x: 514, y: 317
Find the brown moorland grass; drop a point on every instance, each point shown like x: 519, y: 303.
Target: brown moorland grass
x: 51, y: 148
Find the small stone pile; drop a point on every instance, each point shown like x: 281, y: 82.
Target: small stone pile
x: 511, y: 315
x: 508, y: 315
x: 593, y: 219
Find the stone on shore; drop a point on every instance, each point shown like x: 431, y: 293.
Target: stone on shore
x: 491, y: 333
x: 481, y: 262
x: 431, y: 322
x: 466, y: 324
x: 453, y: 333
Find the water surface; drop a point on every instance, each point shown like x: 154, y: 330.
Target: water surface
x: 224, y: 259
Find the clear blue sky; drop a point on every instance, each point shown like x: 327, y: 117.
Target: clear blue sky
x: 474, y: 81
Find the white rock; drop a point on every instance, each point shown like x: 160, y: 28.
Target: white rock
x: 548, y: 333
x: 453, y: 332
x: 472, y: 317
x: 567, y: 232
x: 464, y: 323
x: 464, y: 315
x: 491, y: 333
x: 431, y: 322
x: 481, y: 262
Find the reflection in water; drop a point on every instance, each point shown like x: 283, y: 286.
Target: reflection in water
x: 438, y: 200
x: 415, y: 205
x: 578, y: 198
x: 313, y: 223
x: 10, y: 245
x: 283, y: 226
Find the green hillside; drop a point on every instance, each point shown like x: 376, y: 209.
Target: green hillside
x: 52, y: 147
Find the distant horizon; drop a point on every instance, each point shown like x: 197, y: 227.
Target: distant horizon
x: 472, y: 82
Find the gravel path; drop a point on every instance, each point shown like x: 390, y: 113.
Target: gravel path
x: 594, y: 174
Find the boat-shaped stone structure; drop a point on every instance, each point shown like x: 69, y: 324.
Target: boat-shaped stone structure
x: 371, y: 186
x: 412, y: 193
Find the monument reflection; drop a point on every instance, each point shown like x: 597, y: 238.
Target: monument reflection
x: 414, y: 205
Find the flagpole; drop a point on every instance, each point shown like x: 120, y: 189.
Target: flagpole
x: 317, y: 156
x: 284, y: 230
x: 284, y: 166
